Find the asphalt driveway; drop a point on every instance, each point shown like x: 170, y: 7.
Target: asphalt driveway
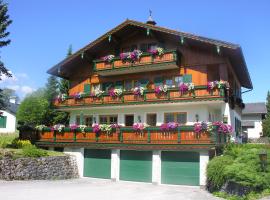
x: 96, y: 189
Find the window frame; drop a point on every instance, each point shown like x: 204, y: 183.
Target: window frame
x: 175, y: 116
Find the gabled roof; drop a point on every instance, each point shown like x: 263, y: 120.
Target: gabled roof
x: 255, y: 108
x: 234, y: 50
x: 11, y: 107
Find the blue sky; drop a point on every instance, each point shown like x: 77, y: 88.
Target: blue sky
x: 42, y: 30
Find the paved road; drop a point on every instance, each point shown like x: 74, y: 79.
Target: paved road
x: 96, y: 189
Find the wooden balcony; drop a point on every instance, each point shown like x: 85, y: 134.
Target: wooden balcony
x: 147, y: 62
x: 183, y: 135
x: 172, y: 95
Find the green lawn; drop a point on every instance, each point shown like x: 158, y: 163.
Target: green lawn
x: 9, y: 147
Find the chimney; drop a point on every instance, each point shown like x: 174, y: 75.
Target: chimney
x: 150, y: 19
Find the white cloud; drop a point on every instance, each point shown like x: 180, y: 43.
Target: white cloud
x: 18, y: 82
x: 26, y: 89
x: 13, y: 87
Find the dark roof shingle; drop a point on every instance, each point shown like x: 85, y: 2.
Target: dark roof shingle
x: 252, y: 108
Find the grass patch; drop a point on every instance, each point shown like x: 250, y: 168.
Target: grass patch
x: 6, y: 139
x: 12, y: 147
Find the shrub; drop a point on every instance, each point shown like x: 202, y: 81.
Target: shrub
x: 240, y: 164
x: 33, y: 151
x: 215, y: 172
x: 17, y: 143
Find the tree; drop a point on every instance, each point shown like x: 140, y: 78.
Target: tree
x: 33, y: 110
x: 52, y: 88
x: 266, y: 122
x: 64, y: 83
x: 4, y: 23
x: 5, y: 95
x: 53, y: 116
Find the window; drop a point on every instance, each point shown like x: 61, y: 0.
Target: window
x: 169, y: 82
x: 213, y: 73
x: 96, y: 87
x: 3, y: 121
x: 152, y: 46
x: 88, y: 120
x: 237, y: 126
x: 137, y: 83
x: 106, y: 86
x: 128, y: 85
x: 180, y: 118
x: 133, y: 47
x: 129, y: 120
x: 78, y: 120
x: 108, y: 119
x: 151, y: 119
x: 143, y: 47
x: 178, y: 80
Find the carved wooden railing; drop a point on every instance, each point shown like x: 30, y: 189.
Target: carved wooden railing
x: 126, y: 135
x: 149, y: 96
x: 145, y: 59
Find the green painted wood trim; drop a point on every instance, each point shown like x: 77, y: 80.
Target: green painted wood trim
x: 179, y: 135
x: 74, y: 136
x: 148, y: 136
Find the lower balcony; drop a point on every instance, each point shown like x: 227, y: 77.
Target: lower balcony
x: 173, y: 95
x: 150, y: 137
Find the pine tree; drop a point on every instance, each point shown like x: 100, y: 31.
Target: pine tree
x: 4, y: 23
x: 52, y: 88
x: 64, y: 83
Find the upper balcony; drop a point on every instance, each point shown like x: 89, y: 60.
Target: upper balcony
x: 199, y: 93
x: 146, y: 62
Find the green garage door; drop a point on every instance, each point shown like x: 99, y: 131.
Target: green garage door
x: 97, y: 163
x: 136, y: 166
x: 180, y: 168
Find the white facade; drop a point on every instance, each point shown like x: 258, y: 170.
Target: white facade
x: 204, y: 110
x: 10, y: 122
x: 256, y: 130
x: 156, y: 164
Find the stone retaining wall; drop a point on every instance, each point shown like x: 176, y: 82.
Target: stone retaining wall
x: 53, y: 167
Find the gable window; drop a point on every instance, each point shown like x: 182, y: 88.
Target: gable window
x: 180, y: 118
x: 152, y: 46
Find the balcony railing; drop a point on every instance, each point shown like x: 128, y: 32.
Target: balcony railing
x: 117, y: 66
x: 149, y: 96
x: 126, y: 135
